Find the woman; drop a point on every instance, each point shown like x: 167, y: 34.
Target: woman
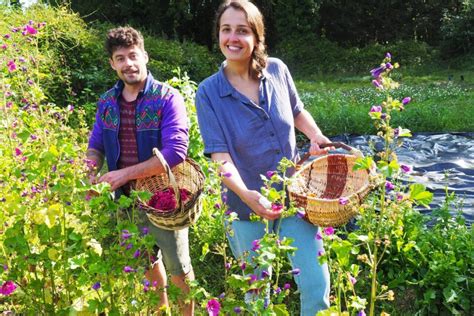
x: 247, y: 113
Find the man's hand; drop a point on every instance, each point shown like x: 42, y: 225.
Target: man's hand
x: 314, y: 148
x: 115, y: 178
x: 251, y: 198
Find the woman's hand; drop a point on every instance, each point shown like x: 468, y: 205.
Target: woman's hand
x: 314, y: 148
x: 251, y: 198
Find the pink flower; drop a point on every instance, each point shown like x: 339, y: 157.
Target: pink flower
x: 18, y: 151
x: 343, y: 201
x: 376, y: 108
x: 270, y: 174
x: 276, y: 207
x: 7, y: 288
x: 213, y: 307
x: 287, y: 286
x: 255, y: 244
x: 11, y: 65
x: 4, y: 46
x: 30, y: 30
x: 328, y: 231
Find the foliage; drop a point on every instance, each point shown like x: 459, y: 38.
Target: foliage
x: 457, y: 31
x: 393, y: 247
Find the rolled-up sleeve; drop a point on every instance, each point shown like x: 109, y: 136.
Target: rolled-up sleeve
x: 211, y: 131
x: 174, y: 130
x: 95, y: 139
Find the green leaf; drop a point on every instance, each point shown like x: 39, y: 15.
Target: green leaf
x: 419, y: 194
x: 363, y: 163
x: 280, y: 310
x: 450, y: 295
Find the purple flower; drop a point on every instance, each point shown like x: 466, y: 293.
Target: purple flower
x: 70, y: 107
x: 31, y: 30
x: 18, y: 151
x: 343, y: 201
x: 126, y: 234
x: 6, y: 36
x: 399, y: 196
x: 255, y: 244
x: 243, y: 266
x: 361, y: 313
x: 137, y: 253
x: 300, y: 213
x: 320, y: 253
x: 217, y: 206
x: 213, y: 307
x: 145, y: 231
x: 406, y: 100
x: 5, y: 267
x: 277, y: 291
x: 388, y: 66
x: 295, y: 271
x: 353, y: 280
x: 377, y: 84
x: 328, y: 231
x: 388, y: 55
x: 226, y: 174
x: 270, y: 174
x: 128, y: 269
x: 265, y: 274
x: 405, y: 168
x: 396, y: 131
x: 227, y: 265
x: 96, y: 286
x: 33, y: 137
x: 318, y: 236
x: 376, y: 108
x: 129, y: 246
x: 253, y: 278
x: 389, y: 186
x: 8, y: 288
x: 287, y: 286
x: 237, y: 310
x: 376, y: 72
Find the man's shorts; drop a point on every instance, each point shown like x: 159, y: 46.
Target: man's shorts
x: 174, y: 248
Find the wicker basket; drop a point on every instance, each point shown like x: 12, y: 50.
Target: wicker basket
x: 321, y: 185
x: 187, y: 175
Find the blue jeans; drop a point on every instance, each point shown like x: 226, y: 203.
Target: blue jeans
x: 313, y: 280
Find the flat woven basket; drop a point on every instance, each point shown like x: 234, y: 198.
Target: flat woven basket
x: 323, y: 186
x: 186, y: 175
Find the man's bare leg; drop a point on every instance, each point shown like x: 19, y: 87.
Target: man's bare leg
x: 181, y: 282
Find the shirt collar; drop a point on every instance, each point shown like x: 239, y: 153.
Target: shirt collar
x: 225, y: 88
x: 118, y: 87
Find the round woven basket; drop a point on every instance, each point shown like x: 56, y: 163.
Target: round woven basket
x: 328, y: 188
x: 186, y: 175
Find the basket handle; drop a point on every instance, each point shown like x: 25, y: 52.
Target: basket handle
x: 170, y: 174
x: 350, y: 149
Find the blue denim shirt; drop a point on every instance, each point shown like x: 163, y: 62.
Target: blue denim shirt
x: 256, y: 137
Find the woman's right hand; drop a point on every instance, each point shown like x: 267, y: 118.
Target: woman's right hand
x: 251, y: 198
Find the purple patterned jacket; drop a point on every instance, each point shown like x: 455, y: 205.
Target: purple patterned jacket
x: 160, y: 118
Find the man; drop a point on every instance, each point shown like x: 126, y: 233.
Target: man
x: 136, y: 115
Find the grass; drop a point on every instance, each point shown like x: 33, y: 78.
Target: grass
x: 340, y: 104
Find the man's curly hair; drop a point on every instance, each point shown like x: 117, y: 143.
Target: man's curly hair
x: 123, y: 37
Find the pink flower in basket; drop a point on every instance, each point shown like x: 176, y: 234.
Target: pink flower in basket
x: 166, y: 201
